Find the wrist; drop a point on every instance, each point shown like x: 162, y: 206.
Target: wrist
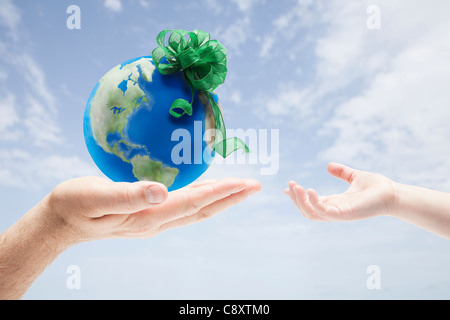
x: 52, y: 227
x: 397, y: 199
x: 406, y: 198
x: 27, y: 248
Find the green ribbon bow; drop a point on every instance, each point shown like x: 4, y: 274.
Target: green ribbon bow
x: 204, y: 63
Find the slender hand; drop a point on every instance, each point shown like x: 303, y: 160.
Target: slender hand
x: 371, y: 194
x: 93, y: 208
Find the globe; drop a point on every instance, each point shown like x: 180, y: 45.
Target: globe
x: 130, y: 134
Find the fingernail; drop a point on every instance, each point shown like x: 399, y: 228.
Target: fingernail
x: 155, y: 195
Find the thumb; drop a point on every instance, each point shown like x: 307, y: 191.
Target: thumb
x: 341, y: 171
x: 126, y: 198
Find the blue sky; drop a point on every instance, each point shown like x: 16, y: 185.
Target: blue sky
x: 336, y: 91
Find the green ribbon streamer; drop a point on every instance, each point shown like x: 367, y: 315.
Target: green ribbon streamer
x: 204, y: 63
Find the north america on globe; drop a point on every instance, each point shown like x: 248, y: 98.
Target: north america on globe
x: 130, y: 133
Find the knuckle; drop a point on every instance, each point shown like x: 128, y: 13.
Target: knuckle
x: 352, y: 176
x: 193, y: 203
x: 139, y: 226
x: 125, y: 198
x: 340, y: 172
x: 189, y: 207
x: 192, y: 208
x: 202, y: 216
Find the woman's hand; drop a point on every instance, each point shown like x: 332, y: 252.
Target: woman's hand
x: 368, y: 195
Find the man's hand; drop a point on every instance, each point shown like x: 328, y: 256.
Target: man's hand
x: 94, y: 208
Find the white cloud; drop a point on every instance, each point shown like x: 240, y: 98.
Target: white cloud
x: 398, y: 124
x: 289, y: 101
x: 35, y: 78
x: 245, y: 5
x: 214, y: 6
x: 22, y: 169
x: 268, y: 43
x: 29, y: 127
x: 385, y: 90
x: 236, y: 97
x: 303, y: 14
x: 113, y: 5
x: 9, y: 118
x: 29, y: 68
x: 345, y: 51
x: 10, y: 17
x: 3, y: 75
x: 144, y: 3
x: 234, y: 35
x: 41, y: 124
x: 36, y: 106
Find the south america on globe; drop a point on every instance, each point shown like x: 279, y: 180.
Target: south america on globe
x: 139, y: 126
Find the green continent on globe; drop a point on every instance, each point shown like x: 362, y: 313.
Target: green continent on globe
x: 146, y: 169
x: 117, y: 97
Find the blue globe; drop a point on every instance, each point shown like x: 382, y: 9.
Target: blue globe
x: 130, y: 134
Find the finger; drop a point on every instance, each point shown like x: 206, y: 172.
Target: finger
x: 325, y: 211
x: 209, y: 211
x: 189, y: 201
x: 290, y: 190
x: 305, y: 205
x: 286, y: 191
x: 201, y: 183
x: 181, y: 204
x: 342, y: 172
x: 297, y: 194
x: 293, y: 197
x: 126, y: 198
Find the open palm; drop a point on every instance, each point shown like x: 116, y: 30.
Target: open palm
x: 94, y: 208
x: 368, y: 195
